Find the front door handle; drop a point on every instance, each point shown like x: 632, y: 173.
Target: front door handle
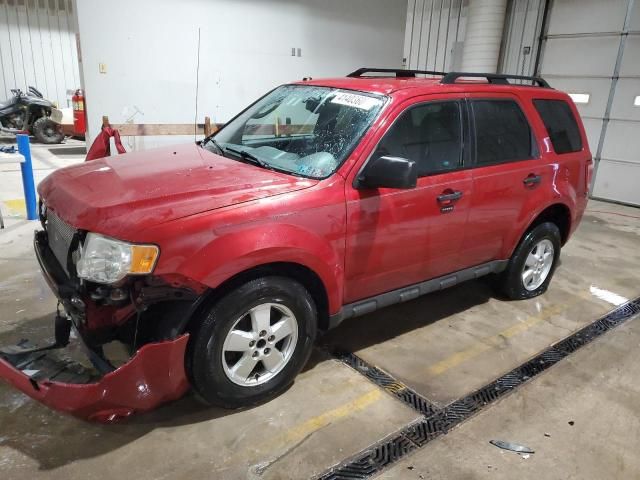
x: 449, y: 196
x: 532, y: 180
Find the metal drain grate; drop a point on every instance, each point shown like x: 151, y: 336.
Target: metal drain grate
x: 374, y: 459
x: 386, y: 381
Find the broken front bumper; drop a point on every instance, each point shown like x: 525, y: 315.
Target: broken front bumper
x: 155, y: 374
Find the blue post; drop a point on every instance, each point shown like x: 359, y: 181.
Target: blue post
x: 28, y: 183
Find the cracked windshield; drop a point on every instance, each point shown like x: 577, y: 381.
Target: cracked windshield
x: 299, y: 129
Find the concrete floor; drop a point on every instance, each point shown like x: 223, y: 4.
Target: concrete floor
x: 596, y: 389
x: 444, y: 346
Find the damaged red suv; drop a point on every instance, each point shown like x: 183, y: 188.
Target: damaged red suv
x: 216, y: 264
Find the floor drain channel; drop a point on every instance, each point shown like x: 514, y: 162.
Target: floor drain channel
x: 435, y: 423
x: 387, y: 382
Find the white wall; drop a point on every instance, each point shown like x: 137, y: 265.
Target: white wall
x: 38, y: 47
x: 150, y: 49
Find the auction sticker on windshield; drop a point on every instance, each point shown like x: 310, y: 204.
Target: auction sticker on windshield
x: 363, y: 102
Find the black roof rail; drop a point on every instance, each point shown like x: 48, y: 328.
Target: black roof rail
x: 400, y: 72
x: 494, y: 78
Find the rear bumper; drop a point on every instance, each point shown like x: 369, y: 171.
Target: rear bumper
x: 154, y: 375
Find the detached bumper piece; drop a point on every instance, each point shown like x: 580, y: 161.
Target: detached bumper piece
x: 153, y: 376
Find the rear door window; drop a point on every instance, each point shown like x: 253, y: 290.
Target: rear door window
x: 502, y: 132
x: 561, y: 125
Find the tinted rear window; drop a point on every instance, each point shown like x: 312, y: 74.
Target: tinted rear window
x: 561, y: 125
x: 502, y: 132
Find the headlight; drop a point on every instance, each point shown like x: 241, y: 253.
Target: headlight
x: 106, y: 260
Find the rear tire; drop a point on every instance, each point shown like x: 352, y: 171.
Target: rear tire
x: 252, y: 343
x: 47, y: 131
x: 533, y: 263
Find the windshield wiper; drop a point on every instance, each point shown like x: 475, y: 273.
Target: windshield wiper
x: 249, y: 156
x: 215, y: 144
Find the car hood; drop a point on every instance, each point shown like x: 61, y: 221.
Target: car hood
x: 127, y: 193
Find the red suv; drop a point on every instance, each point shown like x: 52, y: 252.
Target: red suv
x: 215, y: 264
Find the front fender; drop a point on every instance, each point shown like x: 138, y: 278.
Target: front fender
x: 38, y: 103
x: 235, y: 252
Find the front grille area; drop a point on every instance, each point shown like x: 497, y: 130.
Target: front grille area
x: 60, y: 235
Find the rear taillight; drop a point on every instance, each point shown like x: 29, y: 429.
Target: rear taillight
x: 588, y: 175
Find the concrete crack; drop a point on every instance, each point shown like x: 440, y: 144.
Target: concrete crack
x: 260, y: 468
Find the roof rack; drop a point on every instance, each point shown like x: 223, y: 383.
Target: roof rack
x: 451, y: 77
x: 494, y: 78
x: 400, y: 72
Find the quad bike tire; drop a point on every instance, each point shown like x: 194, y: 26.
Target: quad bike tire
x: 47, y: 131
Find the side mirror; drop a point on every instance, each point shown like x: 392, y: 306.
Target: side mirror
x: 388, y: 172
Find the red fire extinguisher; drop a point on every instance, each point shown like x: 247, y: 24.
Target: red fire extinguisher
x: 79, y: 114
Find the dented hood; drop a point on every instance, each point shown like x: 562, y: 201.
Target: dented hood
x: 127, y: 193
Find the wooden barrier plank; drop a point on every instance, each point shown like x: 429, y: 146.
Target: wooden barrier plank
x: 153, y: 129
x: 148, y: 129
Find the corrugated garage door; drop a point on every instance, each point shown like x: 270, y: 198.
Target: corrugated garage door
x: 38, y: 47
x: 521, y: 37
x: 589, y: 44
x: 618, y: 172
x: 434, y: 35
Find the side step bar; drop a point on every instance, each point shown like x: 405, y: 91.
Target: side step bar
x: 405, y: 294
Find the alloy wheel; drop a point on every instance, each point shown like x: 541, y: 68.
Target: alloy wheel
x: 538, y: 264
x: 259, y: 344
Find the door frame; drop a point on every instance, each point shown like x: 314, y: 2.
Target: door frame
x: 396, y: 112
x: 352, y: 193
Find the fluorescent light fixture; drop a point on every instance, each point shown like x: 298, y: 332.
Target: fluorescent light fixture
x: 580, y: 97
x: 636, y: 101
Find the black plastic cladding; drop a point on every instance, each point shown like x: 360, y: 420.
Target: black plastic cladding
x: 436, y: 422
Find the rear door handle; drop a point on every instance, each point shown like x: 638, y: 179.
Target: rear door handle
x: 449, y: 197
x: 532, y: 180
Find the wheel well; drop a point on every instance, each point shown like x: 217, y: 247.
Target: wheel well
x: 558, y: 214
x: 304, y: 275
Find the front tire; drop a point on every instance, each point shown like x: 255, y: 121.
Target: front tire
x: 253, y: 342
x: 533, y: 263
x: 47, y: 131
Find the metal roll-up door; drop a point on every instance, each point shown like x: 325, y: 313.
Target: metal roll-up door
x: 592, y: 51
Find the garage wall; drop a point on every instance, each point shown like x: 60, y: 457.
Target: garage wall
x: 618, y: 169
x: 149, y: 52
x: 38, y: 47
x: 434, y: 34
x: 436, y: 29
x: 521, y: 37
x: 593, y: 47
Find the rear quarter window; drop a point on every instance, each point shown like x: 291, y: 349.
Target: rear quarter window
x: 561, y: 125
